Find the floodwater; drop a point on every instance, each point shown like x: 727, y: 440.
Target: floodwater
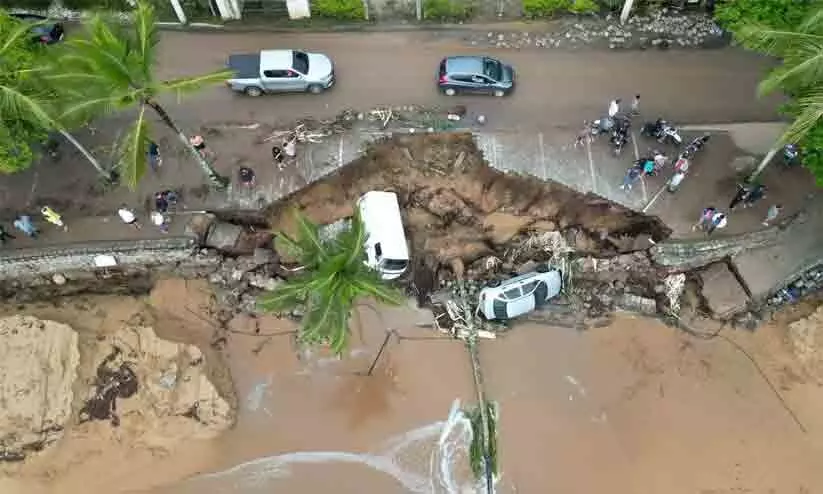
x: 635, y: 407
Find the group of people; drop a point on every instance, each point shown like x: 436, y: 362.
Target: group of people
x: 747, y: 195
x: 25, y: 224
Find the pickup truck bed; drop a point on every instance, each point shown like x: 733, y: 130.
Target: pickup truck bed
x: 245, y: 66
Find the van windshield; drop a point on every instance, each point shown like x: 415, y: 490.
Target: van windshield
x: 394, y: 264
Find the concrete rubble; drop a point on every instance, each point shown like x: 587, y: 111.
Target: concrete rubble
x: 661, y: 29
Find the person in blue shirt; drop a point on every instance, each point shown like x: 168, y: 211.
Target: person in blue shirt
x: 25, y: 225
x: 154, y: 156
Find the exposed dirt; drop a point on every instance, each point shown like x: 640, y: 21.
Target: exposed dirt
x: 457, y: 207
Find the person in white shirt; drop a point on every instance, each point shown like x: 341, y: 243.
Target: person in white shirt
x: 128, y: 216
x: 614, y: 107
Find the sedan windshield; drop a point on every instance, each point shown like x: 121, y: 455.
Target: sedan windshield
x: 492, y: 69
x: 301, y: 62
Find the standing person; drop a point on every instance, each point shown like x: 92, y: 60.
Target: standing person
x: 632, y: 175
x: 718, y: 221
x: 739, y: 196
x: 757, y: 193
x: 53, y: 217
x: 584, y: 134
x: 128, y: 216
x: 772, y: 213
x: 705, y: 218
x: 25, y: 225
x: 614, y: 107
x: 277, y: 154
x: 161, y: 203
x: 155, y: 161
x: 659, y: 160
x: 636, y: 105
x: 246, y: 176
x: 199, y: 144
x: 159, y: 219
x: 4, y: 235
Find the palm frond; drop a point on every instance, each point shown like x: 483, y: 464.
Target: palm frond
x: 287, y: 295
x: 134, y: 149
x: 308, y: 236
x: 102, y: 52
x: 353, y: 240
x: 185, y: 85
x: 379, y: 290
x: 146, y: 38
x: 20, y: 34
x: 810, y: 112
x: 15, y: 104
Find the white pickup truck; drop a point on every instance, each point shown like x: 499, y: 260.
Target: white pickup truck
x: 280, y: 71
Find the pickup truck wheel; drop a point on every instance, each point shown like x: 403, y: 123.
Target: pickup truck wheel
x: 499, y: 93
x: 315, y: 89
x: 449, y: 92
x: 253, y: 91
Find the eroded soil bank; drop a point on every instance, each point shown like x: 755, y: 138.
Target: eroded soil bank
x: 643, y: 405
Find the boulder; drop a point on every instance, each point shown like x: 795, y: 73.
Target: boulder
x: 38, y: 365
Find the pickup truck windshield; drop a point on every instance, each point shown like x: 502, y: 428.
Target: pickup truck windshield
x: 301, y: 62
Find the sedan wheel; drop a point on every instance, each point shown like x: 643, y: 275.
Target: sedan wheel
x: 499, y: 93
x: 449, y: 92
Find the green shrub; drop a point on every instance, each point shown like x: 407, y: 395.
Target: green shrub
x: 25, y: 4
x: 544, y: 8
x: 584, y: 7
x: 779, y: 14
x: 451, y: 10
x: 340, y: 10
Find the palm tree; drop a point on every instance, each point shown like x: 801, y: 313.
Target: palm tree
x: 800, y: 74
x: 333, y: 277
x: 113, y: 68
x: 22, y: 98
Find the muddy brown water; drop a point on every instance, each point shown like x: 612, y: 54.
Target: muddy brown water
x: 634, y: 407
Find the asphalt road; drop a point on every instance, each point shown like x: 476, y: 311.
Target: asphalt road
x: 556, y: 88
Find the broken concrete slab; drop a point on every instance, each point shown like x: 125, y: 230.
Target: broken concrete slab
x: 722, y: 291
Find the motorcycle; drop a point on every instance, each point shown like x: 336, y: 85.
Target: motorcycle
x: 619, y: 138
x: 602, y: 126
x: 662, y: 131
x: 697, y: 144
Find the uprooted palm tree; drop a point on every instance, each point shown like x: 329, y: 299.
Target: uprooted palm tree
x: 800, y: 74
x: 333, y: 278
x: 113, y: 67
x: 27, y: 106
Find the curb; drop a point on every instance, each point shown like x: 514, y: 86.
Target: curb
x: 354, y: 27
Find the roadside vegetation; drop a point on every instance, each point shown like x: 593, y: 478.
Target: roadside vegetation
x: 792, y: 31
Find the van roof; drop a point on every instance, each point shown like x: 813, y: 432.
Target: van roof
x: 381, y: 209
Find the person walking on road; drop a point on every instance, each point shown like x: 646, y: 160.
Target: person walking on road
x: 614, y: 107
x: 159, y: 220
x: 584, y: 134
x: 128, y: 216
x: 632, y: 175
x: 25, y: 225
x: 772, y: 213
x: 246, y: 176
x: 53, y: 217
x: 705, y: 218
x: 636, y: 105
x: 718, y: 221
x: 155, y: 161
x: 757, y: 193
x: 739, y: 196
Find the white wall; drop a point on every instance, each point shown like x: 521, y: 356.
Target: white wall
x: 298, y: 9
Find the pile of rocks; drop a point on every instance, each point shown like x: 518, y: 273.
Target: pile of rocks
x: 661, y: 29
x: 809, y: 282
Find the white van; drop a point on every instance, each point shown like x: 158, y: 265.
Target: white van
x: 386, y: 247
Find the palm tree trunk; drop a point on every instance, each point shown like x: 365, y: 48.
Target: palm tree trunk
x: 766, y: 160
x: 627, y: 9
x: 217, y: 180
x: 85, y: 152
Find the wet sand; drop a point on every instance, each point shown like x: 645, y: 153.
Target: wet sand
x: 630, y: 408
